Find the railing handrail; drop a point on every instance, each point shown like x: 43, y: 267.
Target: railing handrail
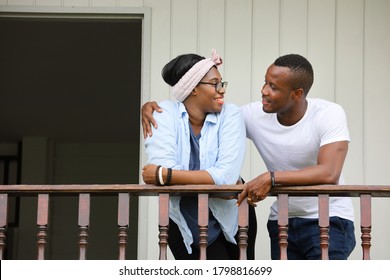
x: 152, y: 190
x: 365, y: 192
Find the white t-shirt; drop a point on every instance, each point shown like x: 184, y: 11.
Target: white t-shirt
x: 297, y: 146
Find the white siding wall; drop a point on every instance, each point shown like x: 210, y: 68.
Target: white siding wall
x: 348, y: 43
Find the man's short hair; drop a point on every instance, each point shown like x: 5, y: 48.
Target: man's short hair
x: 302, y: 71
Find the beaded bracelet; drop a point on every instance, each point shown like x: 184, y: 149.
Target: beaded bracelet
x: 156, y: 174
x: 272, y: 173
x: 169, y: 176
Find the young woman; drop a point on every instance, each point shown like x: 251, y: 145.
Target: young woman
x: 200, y: 140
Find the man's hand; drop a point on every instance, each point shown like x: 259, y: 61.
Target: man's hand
x: 147, y: 117
x: 256, y: 189
x: 239, y: 182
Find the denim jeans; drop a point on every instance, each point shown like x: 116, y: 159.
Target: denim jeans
x: 304, y: 239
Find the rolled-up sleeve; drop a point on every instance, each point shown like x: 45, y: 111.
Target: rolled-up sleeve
x: 162, y: 148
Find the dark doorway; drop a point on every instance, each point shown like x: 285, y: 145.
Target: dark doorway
x: 75, y: 80
x: 70, y: 79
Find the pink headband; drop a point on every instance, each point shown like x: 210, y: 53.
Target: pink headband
x: 193, y: 76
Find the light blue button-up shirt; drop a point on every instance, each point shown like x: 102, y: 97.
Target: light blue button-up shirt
x: 221, y: 153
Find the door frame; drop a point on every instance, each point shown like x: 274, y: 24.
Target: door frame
x: 143, y: 13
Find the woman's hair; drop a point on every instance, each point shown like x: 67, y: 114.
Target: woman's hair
x: 177, y: 67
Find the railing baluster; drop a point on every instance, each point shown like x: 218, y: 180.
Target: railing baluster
x: 123, y: 222
x: 203, y: 223
x: 283, y: 224
x: 365, y: 224
x: 3, y: 222
x: 42, y: 222
x: 163, y: 224
x: 84, y: 210
x: 243, y: 221
x: 323, y: 222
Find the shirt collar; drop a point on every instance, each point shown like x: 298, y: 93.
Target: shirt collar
x: 211, y: 118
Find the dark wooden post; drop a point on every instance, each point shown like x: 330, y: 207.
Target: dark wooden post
x: 283, y: 224
x: 3, y: 222
x: 84, y: 210
x: 163, y: 224
x: 203, y: 222
x: 323, y: 220
x: 243, y: 221
x: 42, y: 222
x: 123, y: 222
x: 365, y: 224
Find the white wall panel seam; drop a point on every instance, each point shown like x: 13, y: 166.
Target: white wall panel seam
x: 280, y: 26
x: 224, y: 30
x: 170, y: 29
x: 307, y: 28
x: 198, y: 27
x: 170, y: 38
x: 334, y: 54
x: 363, y: 95
x: 251, y: 147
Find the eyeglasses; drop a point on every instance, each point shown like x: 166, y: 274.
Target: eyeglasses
x: 218, y: 86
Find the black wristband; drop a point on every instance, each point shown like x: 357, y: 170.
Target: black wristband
x: 272, y: 173
x: 169, y: 176
x: 156, y: 176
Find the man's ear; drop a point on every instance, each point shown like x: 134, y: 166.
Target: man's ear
x: 299, y: 93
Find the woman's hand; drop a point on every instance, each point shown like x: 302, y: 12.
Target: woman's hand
x: 149, y: 174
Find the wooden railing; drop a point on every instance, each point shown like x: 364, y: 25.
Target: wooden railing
x: 45, y: 192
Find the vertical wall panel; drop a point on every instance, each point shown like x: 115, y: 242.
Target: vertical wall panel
x: 184, y: 27
x: 160, y: 46
x: 238, y: 50
x: 376, y: 91
x: 321, y: 47
x: 293, y: 28
x: 211, y: 29
x: 349, y: 81
x: 377, y: 115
